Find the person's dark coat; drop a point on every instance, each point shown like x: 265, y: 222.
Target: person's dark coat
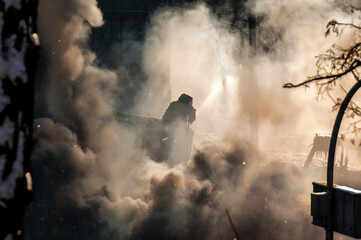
x: 180, y: 110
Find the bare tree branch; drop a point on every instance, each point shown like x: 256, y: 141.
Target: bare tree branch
x: 331, y: 78
x: 336, y: 63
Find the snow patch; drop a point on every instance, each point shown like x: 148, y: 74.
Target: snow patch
x: 4, y: 100
x: 12, y: 65
x: 8, y: 186
x: 6, y: 132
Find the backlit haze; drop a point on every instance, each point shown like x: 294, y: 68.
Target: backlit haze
x: 92, y: 181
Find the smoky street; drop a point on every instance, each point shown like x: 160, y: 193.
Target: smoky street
x: 188, y: 120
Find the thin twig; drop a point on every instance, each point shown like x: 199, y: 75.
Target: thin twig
x: 349, y: 24
x: 332, y: 78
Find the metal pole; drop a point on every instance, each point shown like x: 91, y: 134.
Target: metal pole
x: 331, y: 155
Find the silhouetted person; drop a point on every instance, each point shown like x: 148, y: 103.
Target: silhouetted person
x: 176, y: 120
x: 180, y: 110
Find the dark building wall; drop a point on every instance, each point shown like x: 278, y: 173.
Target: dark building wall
x: 125, y: 20
x: 119, y: 42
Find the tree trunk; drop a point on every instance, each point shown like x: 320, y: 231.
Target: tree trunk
x: 18, y: 55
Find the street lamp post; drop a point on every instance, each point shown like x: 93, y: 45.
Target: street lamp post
x: 336, y: 208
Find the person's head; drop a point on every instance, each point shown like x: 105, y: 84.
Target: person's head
x: 186, y: 99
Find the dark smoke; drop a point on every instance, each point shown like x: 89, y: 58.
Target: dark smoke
x: 267, y: 201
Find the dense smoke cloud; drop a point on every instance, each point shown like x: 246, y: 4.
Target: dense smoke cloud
x: 103, y: 186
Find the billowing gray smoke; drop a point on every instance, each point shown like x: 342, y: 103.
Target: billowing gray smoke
x: 93, y: 182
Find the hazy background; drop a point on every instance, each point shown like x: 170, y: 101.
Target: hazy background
x: 91, y: 180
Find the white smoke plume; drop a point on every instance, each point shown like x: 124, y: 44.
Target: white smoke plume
x: 102, y: 186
